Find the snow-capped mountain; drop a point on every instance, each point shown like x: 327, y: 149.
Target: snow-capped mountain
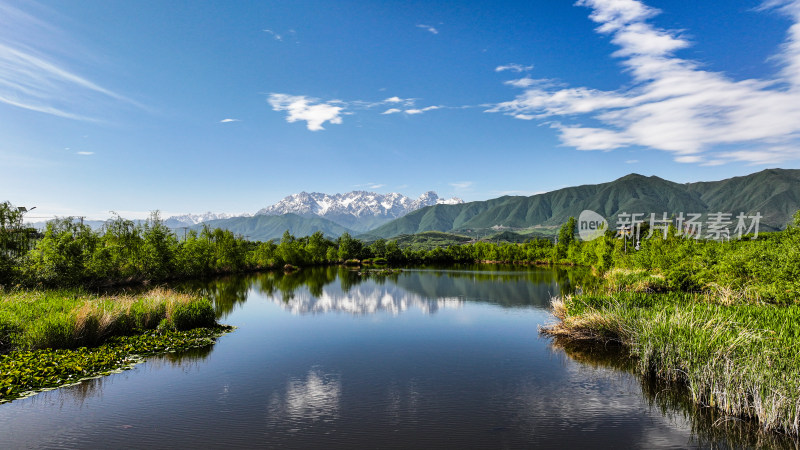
x: 187, y: 220
x: 357, y: 210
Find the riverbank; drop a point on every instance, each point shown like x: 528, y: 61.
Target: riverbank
x: 53, y: 338
x: 38, y: 319
x: 740, y: 357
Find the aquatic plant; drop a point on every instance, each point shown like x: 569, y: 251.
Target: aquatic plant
x: 738, y: 357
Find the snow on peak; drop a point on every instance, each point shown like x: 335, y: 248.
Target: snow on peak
x: 194, y: 219
x: 358, y: 204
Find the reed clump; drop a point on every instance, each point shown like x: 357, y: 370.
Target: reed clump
x: 65, y: 319
x: 738, y: 356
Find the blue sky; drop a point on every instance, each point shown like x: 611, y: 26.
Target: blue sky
x: 188, y: 106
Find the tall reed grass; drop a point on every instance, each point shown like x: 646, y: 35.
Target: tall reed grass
x: 742, y: 358
x: 70, y: 319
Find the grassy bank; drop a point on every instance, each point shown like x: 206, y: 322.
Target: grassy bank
x: 31, y: 320
x: 53, y: 338
x: 742, y: 358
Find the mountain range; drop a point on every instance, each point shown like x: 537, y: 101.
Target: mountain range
x: 265, y: 228
x: 357, y: 210
x: 187, y: 220
x: 304, y: 213
x: 774, y: 193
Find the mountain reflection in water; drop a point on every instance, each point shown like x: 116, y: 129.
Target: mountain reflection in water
x: 332, y: 358
x: 338, y: 289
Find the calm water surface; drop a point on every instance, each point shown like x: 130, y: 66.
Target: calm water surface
x: 329, y: 358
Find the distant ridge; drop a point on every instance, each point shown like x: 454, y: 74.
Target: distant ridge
x: 356, y: 210
x: 775, y: 193
x: 266, y: 228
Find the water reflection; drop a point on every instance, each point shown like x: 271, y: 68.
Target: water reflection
x: 316, y: 397
x: 225, y: 292
x: 709, y: 427
x: 363, y: 299
x: 314, y: 290
x: 474, y: 375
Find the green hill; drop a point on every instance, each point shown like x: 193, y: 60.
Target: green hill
x: 775, y: 193
x: 265, y: 228
x: 430, y: 239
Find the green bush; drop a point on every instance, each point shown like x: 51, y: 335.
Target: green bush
x: 196, y: 314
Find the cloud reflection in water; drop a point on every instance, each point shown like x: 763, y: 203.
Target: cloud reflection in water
x: 315, y: 398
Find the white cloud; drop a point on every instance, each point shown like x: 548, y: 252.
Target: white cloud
x: 461, y: 184
x: 392, y: 111
x: 35, y: 74
x: 429, y: 28
x: 513, y: 67
x: 275, y: 35
x: 229, y: 120
x: 394, y: 99
x: 673, y: 105
x: 85, y: 153
x: 421, y: 110
x: 522, y: 82
x: 310, y: 110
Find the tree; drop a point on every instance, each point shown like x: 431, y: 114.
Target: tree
x: 379, y: 248
x: 349, y: 248
x: 317, y: 247
x: 566, y: 238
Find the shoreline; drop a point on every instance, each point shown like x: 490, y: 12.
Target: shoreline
x: 735, y: 358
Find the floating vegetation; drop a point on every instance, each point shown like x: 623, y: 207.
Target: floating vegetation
x: 56, y: 338
x: 24, y: 373
x: 379, y: 272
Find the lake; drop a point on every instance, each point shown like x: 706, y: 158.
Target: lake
x: 330, y: 358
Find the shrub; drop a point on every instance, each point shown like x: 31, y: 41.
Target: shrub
x: 196, y: 314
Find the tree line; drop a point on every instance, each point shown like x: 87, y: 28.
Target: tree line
x: 69, y: 253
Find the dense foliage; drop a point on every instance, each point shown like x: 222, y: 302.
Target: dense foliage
x: 70, y: 253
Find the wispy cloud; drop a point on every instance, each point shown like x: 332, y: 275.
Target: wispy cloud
x: 429, y: 28
x: 673, y: 104
x: 461, y: 184
x: 84, y: 153
x: 392, y: 111
x: 421, y: 110
x: 275, y: 35
x: 513, y: 67
x: 311, y: 110
x: 522, y: 82
x: 35, y: 77
x: 369, y: 185
x: 229, y: 120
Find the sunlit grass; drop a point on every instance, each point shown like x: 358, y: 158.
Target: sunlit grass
x: 743, y: 358
x: 69, y: 319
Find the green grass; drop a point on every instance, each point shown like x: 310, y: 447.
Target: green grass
x: 430, y: 239
x: 742, y: 358
x: 32, y: 320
